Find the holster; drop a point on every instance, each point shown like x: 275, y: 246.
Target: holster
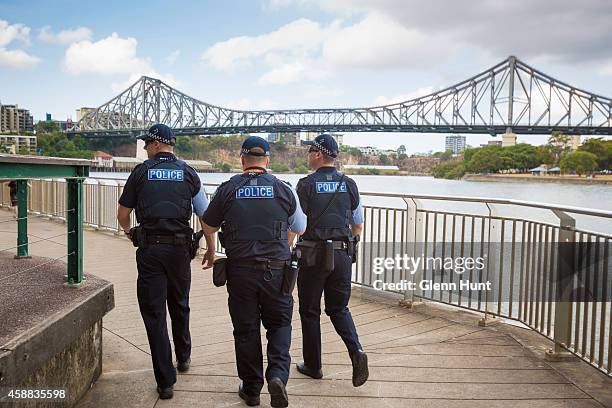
x: 195, y: 244
x: 353, y: 248
x: 290, y: 274
x: 138, y: 236
x: 220, y: 272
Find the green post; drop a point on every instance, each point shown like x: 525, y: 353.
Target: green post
x: 22, y: 219
x: 74, y: 218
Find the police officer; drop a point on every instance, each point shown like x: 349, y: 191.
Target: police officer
x: 335, y: 220
x: 256, y: 211
x: 163, y: 190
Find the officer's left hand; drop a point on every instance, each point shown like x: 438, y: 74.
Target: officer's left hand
x: 209, y: 258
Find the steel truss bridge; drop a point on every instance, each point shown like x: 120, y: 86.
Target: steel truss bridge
x: 509, y: 97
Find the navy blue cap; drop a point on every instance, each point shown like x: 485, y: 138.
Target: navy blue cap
x: 253, y: 142
x: 325, y: 143
x: 161, y: 133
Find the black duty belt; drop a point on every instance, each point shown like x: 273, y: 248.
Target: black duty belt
x: 336, y: 244
x: 262, y: 265
x: 167, y: 239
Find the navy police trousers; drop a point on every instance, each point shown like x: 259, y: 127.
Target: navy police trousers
x: 336, y: 284
x: 255, y: 297
x: 164, y: 276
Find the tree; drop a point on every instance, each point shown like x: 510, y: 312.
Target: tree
x: 226, y: 168
x: 384, y: 159
x: 579, y: 162
x: 46, y: 127
x: 301, y: 169
x: 401, y: 150
x: 279, y: 167
x: 558, y: 145
x: 486, y: 159
x: 449, y: 170
x: 600, y: 148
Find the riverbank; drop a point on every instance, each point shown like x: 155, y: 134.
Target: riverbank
x: 519, y: 178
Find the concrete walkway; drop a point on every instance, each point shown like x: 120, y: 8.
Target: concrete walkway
x: 435, y: 357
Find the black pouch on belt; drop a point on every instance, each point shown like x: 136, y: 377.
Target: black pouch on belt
x: 327, y: 256
x: 220, y: 272
x: 307, y: 253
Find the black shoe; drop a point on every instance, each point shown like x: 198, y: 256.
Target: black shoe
x: 166, y: 392
x: 278, y: 393
x: 184, y: 366
x: 250, y: 400
x: 360, y: 368
x: 301, y: 367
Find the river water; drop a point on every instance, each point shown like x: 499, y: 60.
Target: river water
x: 596, y: 196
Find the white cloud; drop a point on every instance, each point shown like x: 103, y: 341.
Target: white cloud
x: 110, y: 55
x: 378, y: 41
x: 64, y: 37
x: 17, y: 59
x: 568, y: 30
x: 305, y: 50
x: 173, y: 56
x: 288, y: 54
x: 13, y: 32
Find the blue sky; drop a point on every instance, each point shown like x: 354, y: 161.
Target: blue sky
x: 56, y: 56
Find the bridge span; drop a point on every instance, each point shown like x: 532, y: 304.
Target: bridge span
x: 510, y: 97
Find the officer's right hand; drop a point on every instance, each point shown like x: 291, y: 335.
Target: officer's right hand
x: 209, y: 259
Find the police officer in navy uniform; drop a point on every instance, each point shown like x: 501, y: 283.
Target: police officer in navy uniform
x: 335, y: 216
x: 256, y: 213
x: 163, y: 190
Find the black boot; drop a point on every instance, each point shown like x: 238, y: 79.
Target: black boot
x: 184, y: 366
x: 165, y: 392
x: 250, y: 400
x: 360, y: 368
x: 302, y: 368
x: 278, y: 393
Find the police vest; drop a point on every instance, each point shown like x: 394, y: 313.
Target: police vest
x: 164, y: 198
x: 335, y: 223
x: 255, y: 213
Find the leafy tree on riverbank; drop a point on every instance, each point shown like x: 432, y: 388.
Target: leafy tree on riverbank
x: 602, y: 149
x: 579, y: 163
x: 522, y: 157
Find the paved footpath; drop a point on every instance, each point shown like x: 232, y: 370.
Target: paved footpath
x: 431, y: 358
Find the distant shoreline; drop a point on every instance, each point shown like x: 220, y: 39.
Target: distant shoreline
x: 520, y: 178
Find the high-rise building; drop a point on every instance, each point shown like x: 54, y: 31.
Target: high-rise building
x: 14, y: 119
x: 82, y: 112
x: 455, y: 143
x: 574, y: 142
x: 508, y: 139
x: 18, y: 144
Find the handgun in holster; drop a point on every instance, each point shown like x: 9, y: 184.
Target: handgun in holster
x: 195, y: 243
x: 138, y: 236
x: 353, y: 248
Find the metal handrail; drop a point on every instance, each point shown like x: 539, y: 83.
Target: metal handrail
x: 523, y: 268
